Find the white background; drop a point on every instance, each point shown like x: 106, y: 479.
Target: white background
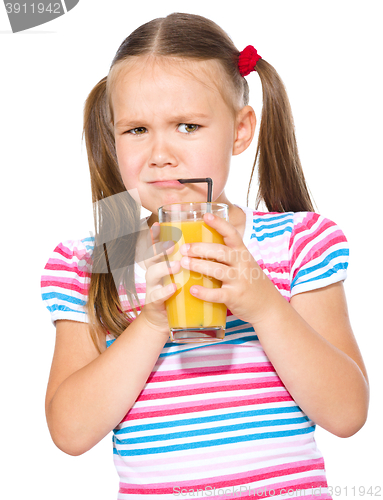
x: 328, y: 53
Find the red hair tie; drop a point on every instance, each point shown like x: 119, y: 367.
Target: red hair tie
x: 248, y: 58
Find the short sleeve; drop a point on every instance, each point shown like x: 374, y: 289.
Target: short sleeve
x: 65, y: 280
x: 319, y: 253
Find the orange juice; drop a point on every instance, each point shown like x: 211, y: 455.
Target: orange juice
x: 184, y: 310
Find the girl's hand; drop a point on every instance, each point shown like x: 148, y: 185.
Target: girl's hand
x: 246, y: 290
x: 158, y: 266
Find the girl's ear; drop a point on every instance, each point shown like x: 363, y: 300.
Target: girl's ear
x: 244, y: 129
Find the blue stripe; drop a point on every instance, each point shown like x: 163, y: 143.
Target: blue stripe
x: 271, y: 226
x: 173, y: 351
x: 212, y: 430
x: 261, y: 228
x: 62, y: 296
x: 284, y: 217
x: 324, y: 263
x: 171, y: 345
x: 333, y: 270
x: 245, y: 329
x: 344, y: 252
x: 262, y: 237
x: 215, y: 442
x: 203, y: 420
x: 233, y: 324
x: 60, y: 307
x: 89, y: 239
x: 241, y: 340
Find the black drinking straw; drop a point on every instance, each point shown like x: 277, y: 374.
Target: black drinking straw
x: 208, y: 209
x: 209, y: 187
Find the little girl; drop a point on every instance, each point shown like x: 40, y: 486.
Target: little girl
x: 230, y: 419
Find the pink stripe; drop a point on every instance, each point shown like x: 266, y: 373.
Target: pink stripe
x: 58, y: 262
x: 68, y: 253
x: 307, y: 223
x: 281, y: 284
x: 66, y: 284
x: 310, y: 237
x: 198, y: 406
x: 301, y: 250
x: 64, y: 251
x: 59, y: 279
x: 62, y: 266
x: 164, y: 376
x: 241, y: 385
x: 258, y: 361
x: 252, y: 460
x: 140, y: 286
x: 321, y: 247
x: 279, y: 267
x: 312, y: 485
x: 232, y: 479
x: 305, y: 227
x: 275, y: 267
x: 257, y: 447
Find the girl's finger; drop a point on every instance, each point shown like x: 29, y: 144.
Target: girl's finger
x: 206, y: 267
x: 157, y: 272
x: 160, y: 294
x: 155, y: 232
x: 155, y: 291
x: 231, y: 236
x: 157, y: 252
x: 216, y: 295
x: 214, y: 251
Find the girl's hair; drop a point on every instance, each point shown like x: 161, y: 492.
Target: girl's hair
x: 282, y: 185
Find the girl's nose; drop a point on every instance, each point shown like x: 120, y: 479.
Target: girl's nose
x: 162, y: 153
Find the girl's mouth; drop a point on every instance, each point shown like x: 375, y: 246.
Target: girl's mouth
x: 168, y: 184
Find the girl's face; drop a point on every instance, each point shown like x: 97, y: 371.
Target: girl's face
x: 171, y: 124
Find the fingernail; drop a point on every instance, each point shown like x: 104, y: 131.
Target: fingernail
x: 209, y: 216
x: 185, y: 248
x: 173, y: 263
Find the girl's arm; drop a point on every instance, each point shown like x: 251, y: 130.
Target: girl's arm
x: 88, y: 394
x: 312, y: 347
x: 309, y: 341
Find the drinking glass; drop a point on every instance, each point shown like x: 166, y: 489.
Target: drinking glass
x: 190, y: 318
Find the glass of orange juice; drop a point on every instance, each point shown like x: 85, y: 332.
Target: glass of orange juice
x: 190, y: 318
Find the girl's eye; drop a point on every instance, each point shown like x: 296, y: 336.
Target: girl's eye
x: 137, y: 131
x: 187, y: 128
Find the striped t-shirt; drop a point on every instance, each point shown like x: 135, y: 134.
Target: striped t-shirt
x: 215, y: 420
